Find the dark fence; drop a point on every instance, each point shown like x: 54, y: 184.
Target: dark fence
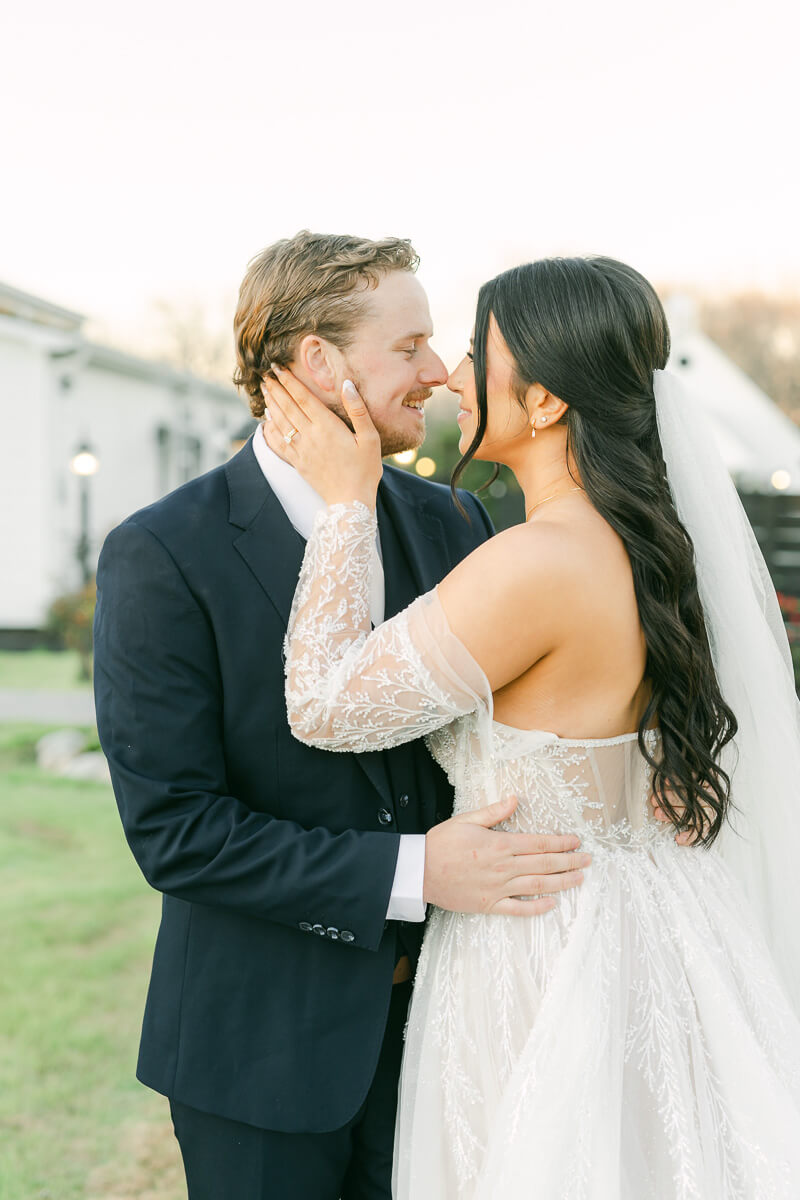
x: 776, y: 523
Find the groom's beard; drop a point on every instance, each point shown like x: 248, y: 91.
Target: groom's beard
x: 394, y: 439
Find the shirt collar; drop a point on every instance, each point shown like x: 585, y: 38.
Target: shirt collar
x: 297, y: 497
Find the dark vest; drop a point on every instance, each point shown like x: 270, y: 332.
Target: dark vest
x: 405, y: 814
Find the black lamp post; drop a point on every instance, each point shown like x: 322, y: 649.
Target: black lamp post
x: 84, y: 465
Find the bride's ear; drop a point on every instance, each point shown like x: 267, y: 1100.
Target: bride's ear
x: 543, y: 406
x: 317, y: 359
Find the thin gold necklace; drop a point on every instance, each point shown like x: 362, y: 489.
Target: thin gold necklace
x: 554, y: 496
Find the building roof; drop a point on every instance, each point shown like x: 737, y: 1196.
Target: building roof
x: 122, y: 363
x: 58, y: 332
x: 27, y: 307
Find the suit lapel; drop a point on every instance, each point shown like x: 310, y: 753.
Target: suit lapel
x: 401, y: 585
x: 420, y: 534
x: 268, y: 543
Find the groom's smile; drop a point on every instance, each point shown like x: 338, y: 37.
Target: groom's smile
x: 417, y: 400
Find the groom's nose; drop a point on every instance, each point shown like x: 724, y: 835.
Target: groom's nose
x: 433, y: 372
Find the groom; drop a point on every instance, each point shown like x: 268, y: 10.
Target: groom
x: 294, y: 881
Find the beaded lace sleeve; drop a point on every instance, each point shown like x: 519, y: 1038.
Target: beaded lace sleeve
x: 351, y: 689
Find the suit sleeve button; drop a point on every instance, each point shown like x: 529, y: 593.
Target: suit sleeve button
x: 306, y: 928
x: 347, y: 936
x: 320, y: 929
x: 332, y: 932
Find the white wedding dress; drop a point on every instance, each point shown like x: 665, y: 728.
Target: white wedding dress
x: 635, y: 1043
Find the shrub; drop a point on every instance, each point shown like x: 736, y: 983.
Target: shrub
x: 790, y: 609
x: 70, y: 622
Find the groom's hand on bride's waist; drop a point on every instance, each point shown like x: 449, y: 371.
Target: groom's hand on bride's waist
x: 471, y: 867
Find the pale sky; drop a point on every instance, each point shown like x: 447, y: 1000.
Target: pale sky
x: 149, y: 150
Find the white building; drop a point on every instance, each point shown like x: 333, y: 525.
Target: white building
x: 149, y: 427
x: 759, y: 443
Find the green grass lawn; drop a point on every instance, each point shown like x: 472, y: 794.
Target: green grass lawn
x: 57, y: 670
x: 75, y: 944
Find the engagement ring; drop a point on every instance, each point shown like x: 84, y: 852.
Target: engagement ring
x: 287, y: 437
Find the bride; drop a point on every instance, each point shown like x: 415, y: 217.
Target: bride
x: 640, y: 1040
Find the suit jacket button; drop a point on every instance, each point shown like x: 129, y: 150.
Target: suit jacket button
x: 347, y: 936
x: 403, y: 801
x: 385, y: 817
x: 320, y: 929
x: 332, y: 932
x: 306, y: 928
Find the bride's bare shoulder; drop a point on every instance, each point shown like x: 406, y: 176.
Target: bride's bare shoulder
x: 524, y: 580
x: 519, y: 556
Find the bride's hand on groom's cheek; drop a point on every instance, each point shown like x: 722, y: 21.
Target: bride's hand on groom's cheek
x: 471, y: 867
x: 341, y: 464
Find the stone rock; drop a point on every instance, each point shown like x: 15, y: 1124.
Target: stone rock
x: 91, y: 767
x: 56, y: 749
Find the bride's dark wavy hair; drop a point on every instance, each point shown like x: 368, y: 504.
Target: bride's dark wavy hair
x: 591, y: 331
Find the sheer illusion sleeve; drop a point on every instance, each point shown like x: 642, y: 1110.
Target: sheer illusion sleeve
x: 351, y: 689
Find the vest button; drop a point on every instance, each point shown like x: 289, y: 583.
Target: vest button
x: 385, y: 817
x: 403, y: 801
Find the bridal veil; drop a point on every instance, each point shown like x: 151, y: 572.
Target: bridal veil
x: 761, y: 838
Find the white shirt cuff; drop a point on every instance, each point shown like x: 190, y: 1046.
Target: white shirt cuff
x: 405, y: 902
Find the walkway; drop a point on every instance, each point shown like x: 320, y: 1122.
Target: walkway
x: 47, y: 708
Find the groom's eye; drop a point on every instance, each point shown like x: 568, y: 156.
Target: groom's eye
x: 412, y: 349
x: 469, y: 356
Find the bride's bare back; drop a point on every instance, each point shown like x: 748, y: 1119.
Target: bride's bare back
x: 549, y: 609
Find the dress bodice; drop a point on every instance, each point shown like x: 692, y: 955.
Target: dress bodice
x: 596, y: 787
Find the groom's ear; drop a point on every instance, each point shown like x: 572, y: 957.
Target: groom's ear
x: 316, y: 359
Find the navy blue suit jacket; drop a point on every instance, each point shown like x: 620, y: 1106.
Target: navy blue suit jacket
x: 273, y: 966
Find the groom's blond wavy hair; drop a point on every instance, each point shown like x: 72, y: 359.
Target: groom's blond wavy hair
x: 311, y: 283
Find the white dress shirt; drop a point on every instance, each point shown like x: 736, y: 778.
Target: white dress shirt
x: 301, y: 504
